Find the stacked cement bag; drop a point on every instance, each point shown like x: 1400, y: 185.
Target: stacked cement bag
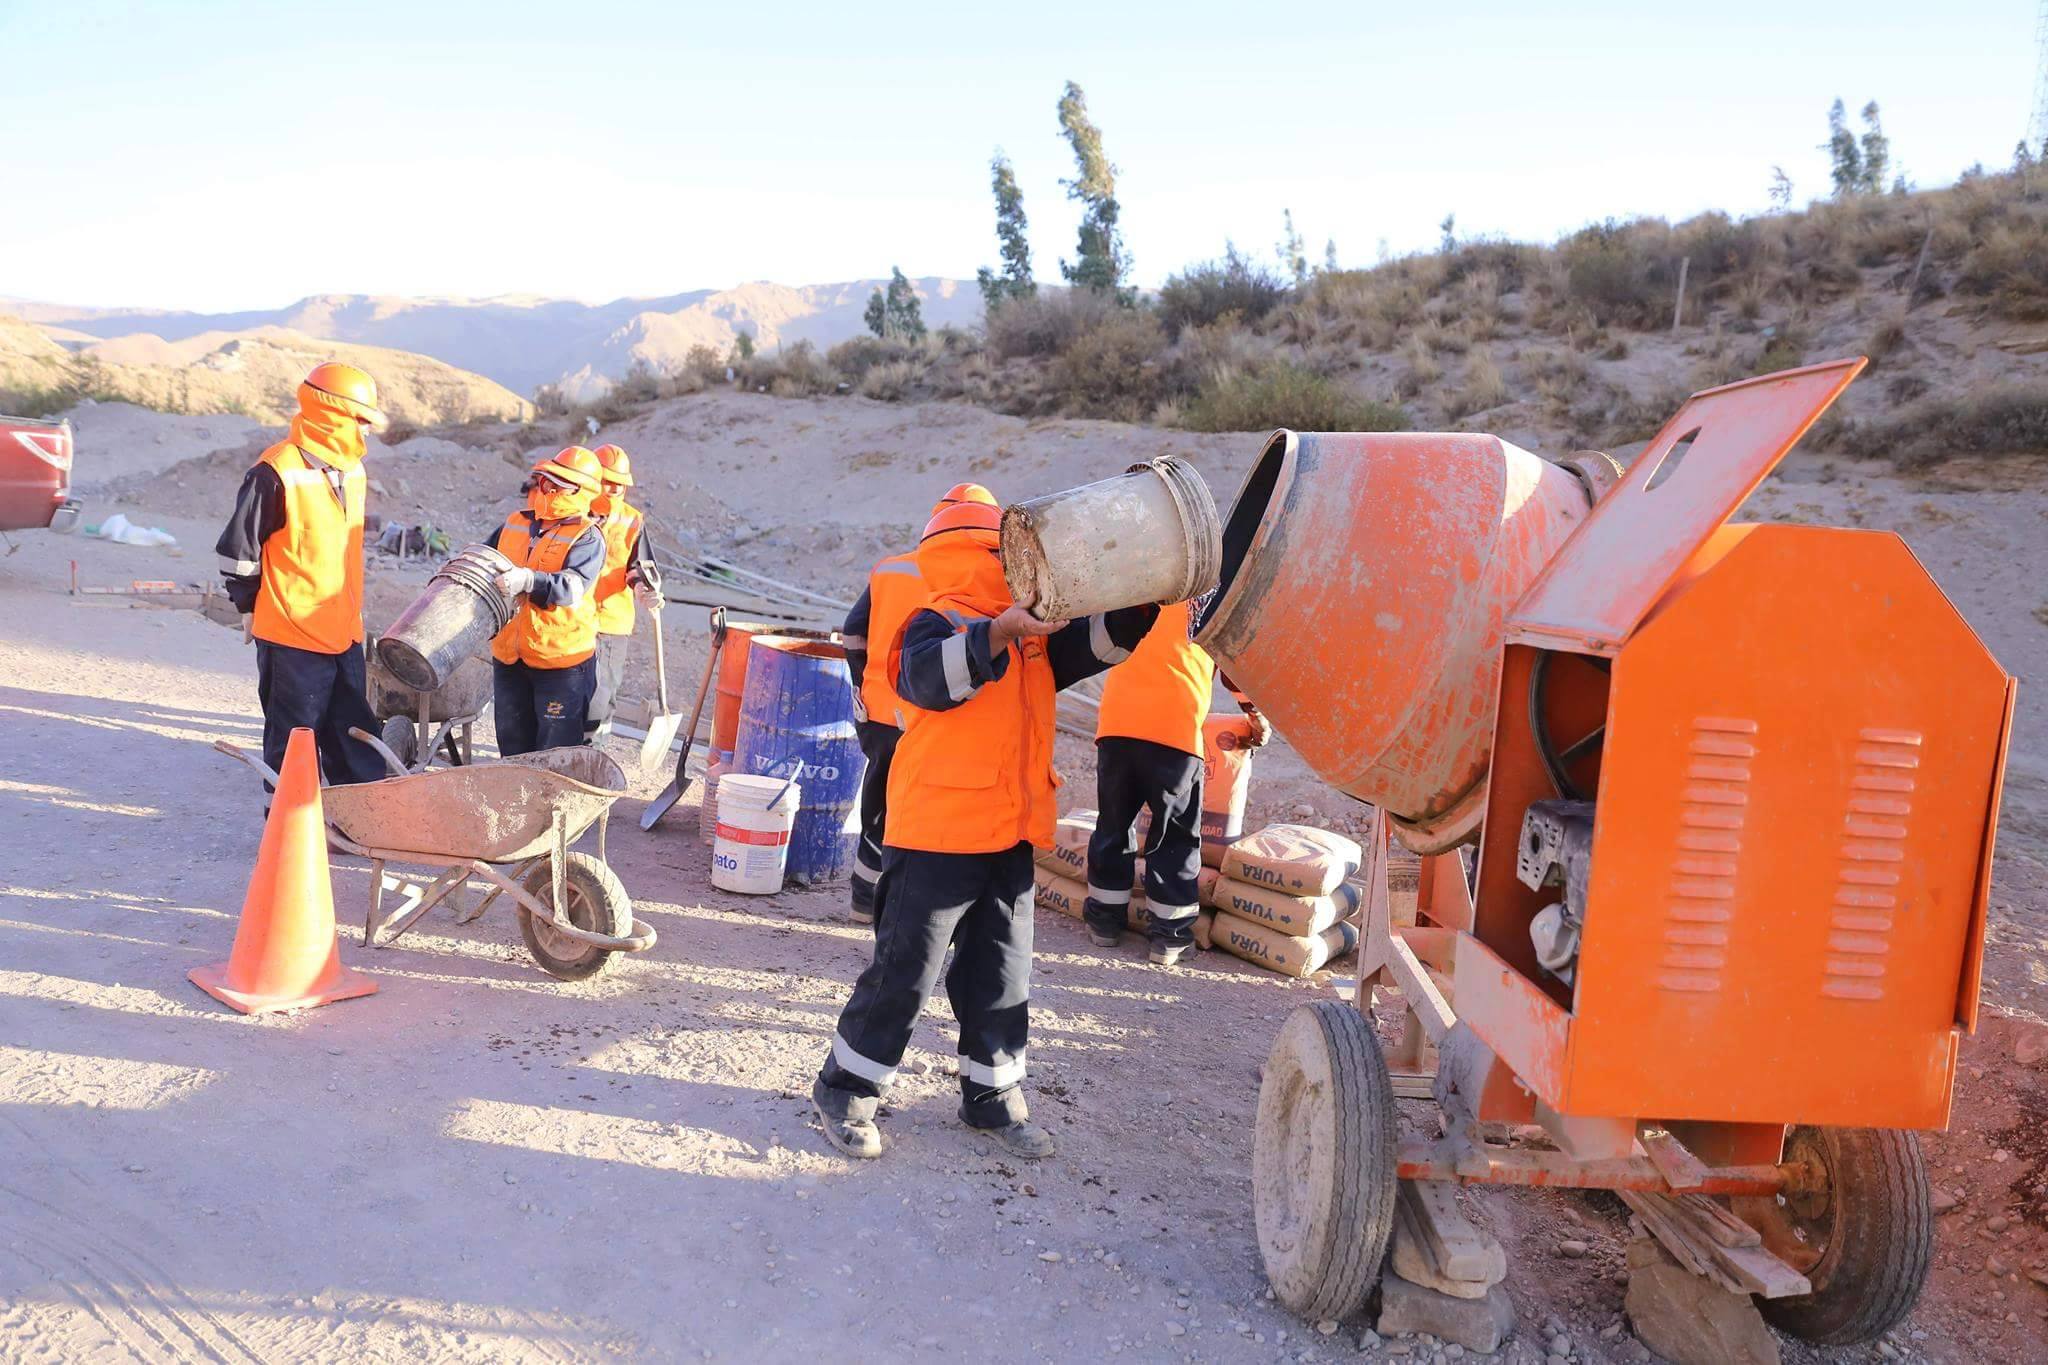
x: 1062, y: 871
x: 1282, y: 900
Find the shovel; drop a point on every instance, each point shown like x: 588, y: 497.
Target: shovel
x: 661, y: 731
x: 680, y: 783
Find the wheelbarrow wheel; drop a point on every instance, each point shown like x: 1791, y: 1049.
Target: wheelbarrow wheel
x: 1858, y: 1222
x: 597, y: 902
x: 1323, y: 1162
x: 402, y: 739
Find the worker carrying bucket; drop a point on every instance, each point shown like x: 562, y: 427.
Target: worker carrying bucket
x: 971, y: 792
x: 546, y: 669
x: 626, y: 583
x: 895, y: 589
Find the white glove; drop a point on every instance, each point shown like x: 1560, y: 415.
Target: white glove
x: 512, y: 582
x: 647, y: 597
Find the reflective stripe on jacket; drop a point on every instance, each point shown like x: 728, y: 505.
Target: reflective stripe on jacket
x: 1161, y: 693
x: 311, y: 591
x: 616, y: 610
x: 553, y: 636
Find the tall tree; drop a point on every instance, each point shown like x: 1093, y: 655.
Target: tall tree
x: 1845, y: 161
x: 1330, y: 255
x: 1100, y: 261
x: 1449, y: 228
x: 1293, y: 255
x: 1015, y: 281
x: 1781, y: 189
x: 897, y: 313
x: 1877, y: 151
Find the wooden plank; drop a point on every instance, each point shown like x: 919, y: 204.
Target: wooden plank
x: 1435, y: 1012
x: 1461, y: 1251
x: 1410, y: 1086
x: 1685, y: 1233
x: 1677, y: 1165
x: 1721, y: 1225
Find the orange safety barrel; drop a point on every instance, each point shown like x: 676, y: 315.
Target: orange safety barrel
x: 1226, y: 782
x: 1365, y: 576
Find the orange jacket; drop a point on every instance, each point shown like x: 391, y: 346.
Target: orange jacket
x: 557, y: 636
x: 895, y: 590
x: 616, y: 609
x: 1161, y: 693
x: 310, y: 594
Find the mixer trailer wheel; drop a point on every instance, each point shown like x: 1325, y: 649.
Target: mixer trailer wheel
x: 596, y: 901
x: 1323, y: 1162
x: 402, y: 739
x: 1857, y: 1220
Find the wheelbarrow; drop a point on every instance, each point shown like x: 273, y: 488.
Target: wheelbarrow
x: 510, y: 822
x: 417, y: 725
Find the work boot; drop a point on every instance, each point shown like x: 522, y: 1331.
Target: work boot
x: 1104, y: 938
x: 1022, y: 1138
x: 1170, y: 954
x: 849, y: 1120
x: 860, y: 915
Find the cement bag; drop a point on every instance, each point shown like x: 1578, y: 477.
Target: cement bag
x: 1226, y: 781
x: 1296, y: 915
x: 1061, y: 893
x: 1296, y: 859
x: 1205, y: 925
x: 1068, y: 856
x: 1267, y: 947
x: 1205, y: 885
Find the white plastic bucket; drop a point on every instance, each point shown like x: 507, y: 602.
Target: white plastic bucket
x: 755, y: 816
x: 707, y: 813
x: 1148, y: 535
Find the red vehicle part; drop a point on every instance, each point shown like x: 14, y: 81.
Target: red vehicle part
x: 35, y: 475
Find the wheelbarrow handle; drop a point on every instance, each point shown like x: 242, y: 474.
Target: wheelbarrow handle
x: 397, y: 768
x: 233, y: 750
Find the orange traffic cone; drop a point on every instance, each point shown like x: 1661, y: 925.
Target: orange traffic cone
x: 285, y: 956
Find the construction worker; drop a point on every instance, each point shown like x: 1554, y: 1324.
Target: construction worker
x: 895, y: 589
x: 1148, y: 756
x: 626, y: 581
x: 292, y: 557
x: 546, y: 664
x: 970, y: 792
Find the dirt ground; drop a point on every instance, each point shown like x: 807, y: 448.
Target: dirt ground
x: 483, y: 1163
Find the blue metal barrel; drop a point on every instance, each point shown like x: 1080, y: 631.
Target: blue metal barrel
x: 798, y: 709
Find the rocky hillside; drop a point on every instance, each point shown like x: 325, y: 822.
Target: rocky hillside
x: 251, y: 373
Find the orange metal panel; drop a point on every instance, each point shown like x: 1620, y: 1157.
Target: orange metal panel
x: 1800, y: 754
x: 1980, y: 904
x: 1620, y: 560
x: 1524, y: 1027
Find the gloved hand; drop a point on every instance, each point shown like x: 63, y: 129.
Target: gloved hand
x: 248, y: 628
x: 1262, y: 730
x: 648, y: 597
x: 513, y: 582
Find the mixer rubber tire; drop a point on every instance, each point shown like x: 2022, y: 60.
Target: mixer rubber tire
x: 1323, y: 1162
x: 402, y: 738
x: 1862, y: 1233
x: 597, y: 902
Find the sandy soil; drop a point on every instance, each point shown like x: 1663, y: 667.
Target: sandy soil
x: 482, y: 1163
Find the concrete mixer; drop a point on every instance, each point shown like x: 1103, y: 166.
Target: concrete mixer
x: 1734, y: 789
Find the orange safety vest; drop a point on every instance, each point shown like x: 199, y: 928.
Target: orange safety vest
x: 1161, y: 693
x: 895, y: 591
x: 616, y: 611
x: 550, y: 637
x: 310, y: 595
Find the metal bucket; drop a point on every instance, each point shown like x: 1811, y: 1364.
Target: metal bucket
x: 453, y: 620
x: 797, y: 721
x: 1148, y: 535
x: 1365, y: 578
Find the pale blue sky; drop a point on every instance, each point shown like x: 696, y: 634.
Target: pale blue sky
x: 224, y: 154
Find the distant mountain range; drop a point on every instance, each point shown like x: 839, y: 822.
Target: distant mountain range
x: 523, y: 342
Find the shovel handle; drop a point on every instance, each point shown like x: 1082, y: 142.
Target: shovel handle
x: 660, y: 660
x: 383, y: 750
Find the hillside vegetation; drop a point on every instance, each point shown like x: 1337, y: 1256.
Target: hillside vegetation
x: 1565, y: 345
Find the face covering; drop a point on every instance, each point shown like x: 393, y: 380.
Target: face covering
x: 552, y: 504
x: 328, y: 433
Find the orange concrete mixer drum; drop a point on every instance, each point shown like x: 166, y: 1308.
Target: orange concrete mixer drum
x: 1364, y: 581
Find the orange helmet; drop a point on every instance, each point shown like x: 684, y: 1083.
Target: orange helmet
x: 964, y: 492
x: 963, y: 516
x: 618, y: 465
x: 575, y: 466
x: 343, y: 389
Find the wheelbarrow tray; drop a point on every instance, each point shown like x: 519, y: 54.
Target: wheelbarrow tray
x: 462, y: 697
x: 501, y: 812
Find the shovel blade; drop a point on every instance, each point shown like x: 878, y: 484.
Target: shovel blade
x: 661, y: 732
x: 661, y: 805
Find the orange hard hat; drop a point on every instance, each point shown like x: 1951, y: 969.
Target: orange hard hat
x: 344, y: 389
x: 573, y: 465
x: 618, y: 465
x: 963, y: 516
x: 964, y: 492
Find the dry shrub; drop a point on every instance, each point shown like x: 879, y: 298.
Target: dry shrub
x: 1282, y: 394
x: 1886, y: 336
x: 1420, y: 369
x: 1112, y: 369
x: 1046, y: 323
x: 2009, y: 420
x: 2009, y: 267
x: 793, y: 371
x: 1559, y: 377
x: 890, y: 381
x: 1209, y: 291
x: 1483, y: 389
